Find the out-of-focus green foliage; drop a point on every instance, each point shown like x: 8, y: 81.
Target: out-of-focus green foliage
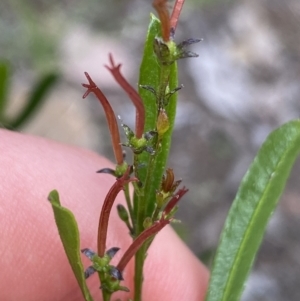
x: 251, y: 210
x: 36, y: 98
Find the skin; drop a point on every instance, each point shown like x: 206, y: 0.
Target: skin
x: 32, y: 261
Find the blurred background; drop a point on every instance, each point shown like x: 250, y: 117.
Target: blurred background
x: 245, y: 83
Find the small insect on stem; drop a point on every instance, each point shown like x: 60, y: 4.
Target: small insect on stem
x: 133, y: 95
x: 110, y: 117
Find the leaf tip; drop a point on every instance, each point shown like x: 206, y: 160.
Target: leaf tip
x: 53, y: 197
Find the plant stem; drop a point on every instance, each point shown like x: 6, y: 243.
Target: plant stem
x: 163, y: 83
x: 106, y: 296
x: 128, y: 202
x: 176, y: 13
x: 138, y: 273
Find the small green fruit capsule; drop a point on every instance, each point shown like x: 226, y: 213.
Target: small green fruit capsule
x: 123, y: 214
x: 147, y: 222
x: 160, y: 199
x: 121, y: 169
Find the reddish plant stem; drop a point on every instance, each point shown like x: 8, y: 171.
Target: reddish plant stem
x: 138, y: 242
x: 110, y: 117
x: 163, y: 13
x: 152, y: 230
x: 175, y: 199
x: 133, y: 95
x: 106, y: 209
x: 176, y: 13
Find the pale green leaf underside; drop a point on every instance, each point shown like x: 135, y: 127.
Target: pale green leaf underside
x: 69, y: 235
x: 255, y: 202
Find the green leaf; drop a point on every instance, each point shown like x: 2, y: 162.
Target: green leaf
x: 35, y: 100
x: 162, y: 157
x: 149, y: 75
x: 255, y: 202
x: 69, y: 235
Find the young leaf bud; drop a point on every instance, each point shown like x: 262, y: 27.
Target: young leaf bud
x: 123, y: 214
x: 160, y: 199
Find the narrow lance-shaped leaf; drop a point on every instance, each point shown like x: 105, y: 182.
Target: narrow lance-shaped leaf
x: 255, y: 202
x: 69, y: 235
x: 149, y: 75
x: 162, y: 157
